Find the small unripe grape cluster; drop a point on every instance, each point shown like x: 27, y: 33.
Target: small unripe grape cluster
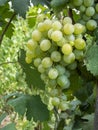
x: 88, y: 11
x: 55, y: 45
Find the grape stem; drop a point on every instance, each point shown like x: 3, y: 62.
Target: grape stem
x: 71, y: 15
x: 6, y: 28
x: 96, y: 109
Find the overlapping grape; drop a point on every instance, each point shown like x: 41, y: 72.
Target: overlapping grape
x: 54, y: 48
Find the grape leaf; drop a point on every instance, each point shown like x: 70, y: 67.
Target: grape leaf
x: 89, y: 124
x: 31, y: 16
x: 10, y: 126
x: 32, y: 75
x: 76, y: 81
x: 91, y: 60
x: 85, y: 122
x: 31, y: 105
x: 18, y: 102
x: 37, y: 109
x: 43, y: 2
x: 2, y: 117
x: 20, y: 6
x: 5, y: 13
x: 58, y: 4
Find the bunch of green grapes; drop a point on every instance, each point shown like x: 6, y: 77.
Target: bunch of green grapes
x: 54, y: 48
x: 89, y: 12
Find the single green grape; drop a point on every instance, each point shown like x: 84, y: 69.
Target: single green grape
x: 63, y: 105
x: 50, y: 32
x: 44, y: 77
x: 41, y: 69
x: 56, y: 35
x: 78, y: 54
x: 47, y: 24
x: 56, y: 56
x: 30, y: 54
x: 53, y: 73
x: 66, y: 49
x: 61, y: 69
x: 47, y: 62
x: 67, y: 20
x: 28, y: 60
x: 91, y: 25
x: 55, y: 101
x: 45, y: 45
x: 77, y: 2
x: 40, y: 27
x: 37, y: 62
x: 68, y: 28
x: 70, y: 37
x: 88, y: 3
x: 78, y: 28
x: 63, y: 81
x: 36, y: 35
x: 62, y: 42
x: 68, y: 59
x: 96, y: 7
x: 31, y: 44
x: 82, y: 8
x: 56, y: 25
x: 79, y: 44
x: 90, y: 11
x: 39, y: 52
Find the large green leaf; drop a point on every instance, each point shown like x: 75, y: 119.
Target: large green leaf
x: 37, y: 109
x: 20, y: 6
x: 32, y: 75
x: 91, y: 60
x: 5, y: 13
x: 89, y: 124
x: 58, y: 4
x: 18, y: 102
x: 31, y: 105
x: 2, y: 117
x: 10, y: 126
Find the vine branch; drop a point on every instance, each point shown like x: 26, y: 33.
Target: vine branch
x: 6, y: 28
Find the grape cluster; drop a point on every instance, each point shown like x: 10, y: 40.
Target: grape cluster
x: 89, y: 12
x: 54, y: 48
